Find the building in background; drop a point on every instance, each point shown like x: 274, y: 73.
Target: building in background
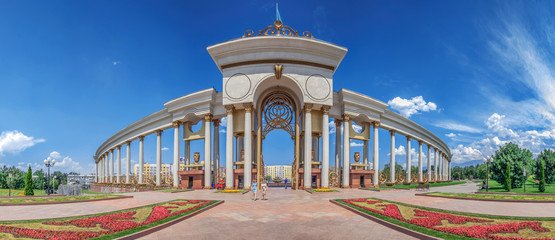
x: 150, y: 169
x: 281, y: 171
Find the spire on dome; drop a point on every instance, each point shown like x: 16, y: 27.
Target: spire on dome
x: 278, y: 17
x: 277, y: 29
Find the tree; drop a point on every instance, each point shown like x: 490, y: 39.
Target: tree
x: 29, y: 182
x: 518, y: 159
x: 399, y: 171
x: 507, y: 184
x: 542, y: 176
x: 11, y: 183
x: 40, y: 179
x: 547, y: 156
x: 268, y: 178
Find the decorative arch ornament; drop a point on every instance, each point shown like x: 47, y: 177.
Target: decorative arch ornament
x: 278, y: 112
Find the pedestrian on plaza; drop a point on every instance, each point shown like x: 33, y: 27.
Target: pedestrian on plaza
x: 254, y: 189
x: 286, y: 183
x: 264, y: 189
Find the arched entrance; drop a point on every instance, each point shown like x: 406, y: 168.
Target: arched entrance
x: 278, y: 110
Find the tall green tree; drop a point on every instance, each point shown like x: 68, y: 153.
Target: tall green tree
x: 29, y: 182
x: 541, y: 186
x: 548, y: 158
x: 40, y: 180
x: 507, y: 184
x: 518, y: 159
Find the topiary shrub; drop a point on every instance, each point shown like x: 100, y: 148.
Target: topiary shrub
x: 29, y: 182
x: 507, y: 183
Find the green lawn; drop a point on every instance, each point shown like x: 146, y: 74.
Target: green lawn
x: 531, y: 187
x: 493, y: 197
x: 19, y: 192
x: 414, y: 185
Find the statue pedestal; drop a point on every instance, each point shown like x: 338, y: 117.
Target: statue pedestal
x: 359, y: 177
x: 192, y: 179
x: 316, y: 177
x: 239, y: 177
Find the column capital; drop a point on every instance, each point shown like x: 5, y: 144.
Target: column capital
x: 420, y: 141
x: 159, y: 132
x: 248, y: 107
x: 229, y: 109
x: 408, y: 138
x: 128, y: 142
x: 392, y: 132
x: 337, y: 122
x: 376, y: 123
x: 308, y: 107
x: 207, y: 117
x: 176, y: 124
x: 112, y: 150
x: 346, y: 117
x: 216, y: 122
x: 141, y: 138
x: 119, y: 147
x: 326, y: 109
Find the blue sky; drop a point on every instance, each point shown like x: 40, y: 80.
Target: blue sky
x: 476, y: 73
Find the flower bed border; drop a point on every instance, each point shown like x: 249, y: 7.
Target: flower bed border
x: 138, y: 232
x: 244, y: 191
x: 423, y: 230
x: 62, y: 202
x: 135, y: 232
x: 517, y: 194
x: 311, y: 191
x: 390, y: 223
x: 486, y: 199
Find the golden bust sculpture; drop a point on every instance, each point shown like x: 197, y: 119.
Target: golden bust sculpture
x: 357, y: 157
x: 196, y: 156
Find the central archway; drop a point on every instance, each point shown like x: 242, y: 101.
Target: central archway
x: 278, y: 110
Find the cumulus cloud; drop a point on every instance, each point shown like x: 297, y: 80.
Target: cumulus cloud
x: 409, y: 107
x: 462, y: 154
x: 451, y: 135
x: 15, y: 142
x: 69, y: 165
x: 165, y: 149
x: 332, y: 127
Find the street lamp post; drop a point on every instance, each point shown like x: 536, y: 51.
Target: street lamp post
x: 48, y: 163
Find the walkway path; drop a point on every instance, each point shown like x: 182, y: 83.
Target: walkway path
x: 288, y: 214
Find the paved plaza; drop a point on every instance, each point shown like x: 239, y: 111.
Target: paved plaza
x: 287, y: 214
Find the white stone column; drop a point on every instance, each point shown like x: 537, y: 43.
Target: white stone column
x: 346, y: 151
x: 325, y: 147
x: 247, y: 144
x: 103, y: 165
x: 365, y: 154
x: 229, y: 178
x: 408, y: 163
x: 158, y: 157
x: 175, y: 153
x: 141, y: 158
x: 435, y: 164
x: 375, y: 155
x: 429, y: 172
x: 307, y: 147
x: 216, y: 150
x: 207, y: 151
x: 338, y: 147
x: 96, y: 172
x: 118, y: 176
x: 440, y: 166
x: 112, y: 160
x: 128, y: 162
x: 392, y: 157
x: 420, y: 177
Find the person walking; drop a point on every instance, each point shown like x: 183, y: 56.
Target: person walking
x: 286, y: 183
x: 264, y: 189
x: 254, y: 189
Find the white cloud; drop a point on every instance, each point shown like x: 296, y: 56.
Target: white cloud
x: 68, y: 165
x: 165, y: 149
x: 463, y: 154
x: 356, y: 144
x: 409, y: 107
x: 455, y: 126
x: 357, y: 128
x: 451, y: 135
x: 496, y: 125
x: 331, y: 125
x: 15, y: 141
x: 55, y: 155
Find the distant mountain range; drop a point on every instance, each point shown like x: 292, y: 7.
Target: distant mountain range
x: 469, y: 163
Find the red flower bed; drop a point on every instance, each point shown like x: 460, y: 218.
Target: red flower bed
x: 484, y: 229
x: 110, y: 223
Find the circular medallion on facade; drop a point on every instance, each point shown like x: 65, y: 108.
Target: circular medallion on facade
x: 318, y: 87
x: 237, y: 86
